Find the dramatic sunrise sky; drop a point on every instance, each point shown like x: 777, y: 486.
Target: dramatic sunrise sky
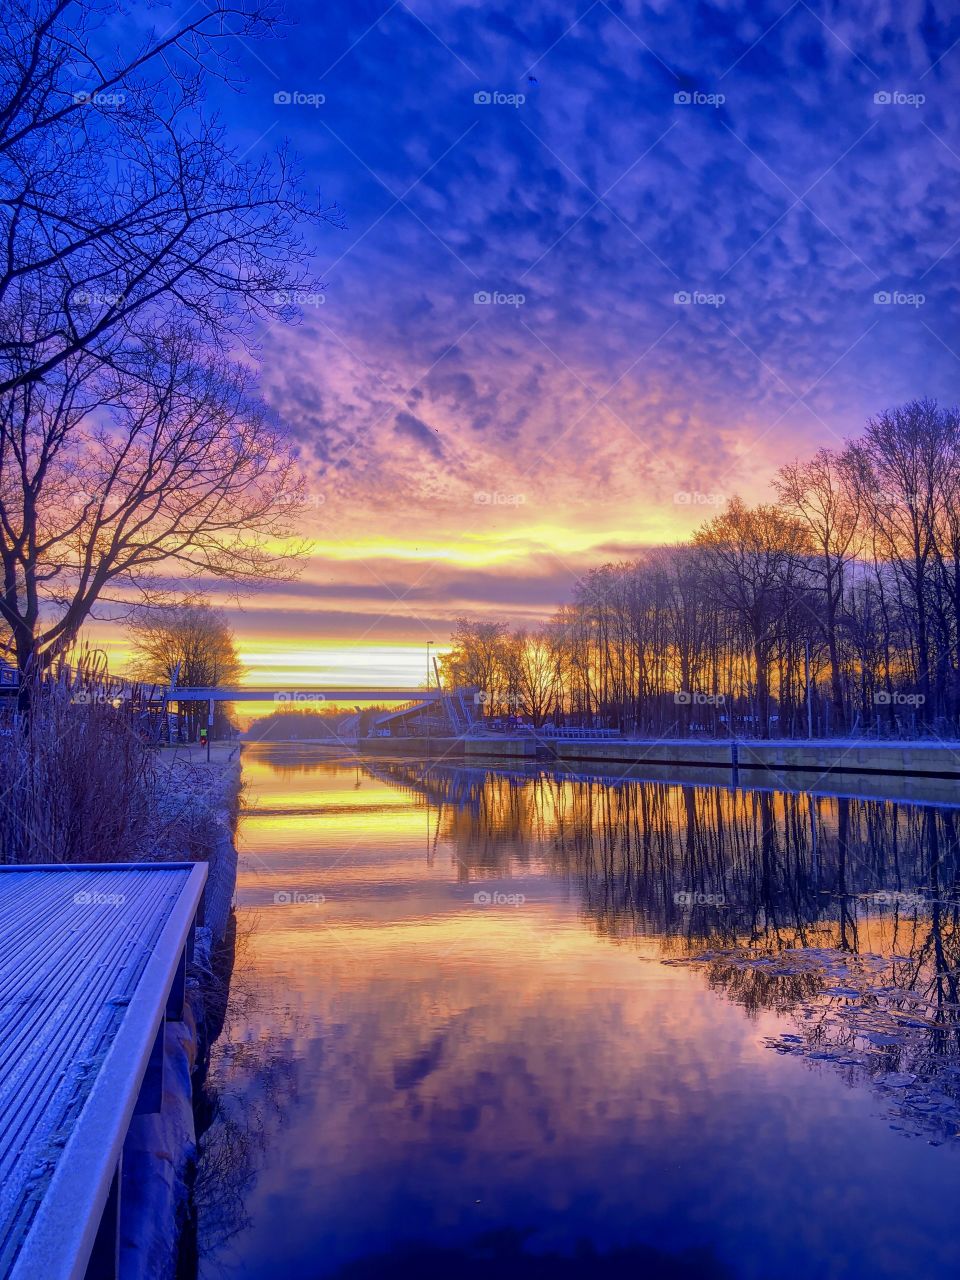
x: 465, y: 457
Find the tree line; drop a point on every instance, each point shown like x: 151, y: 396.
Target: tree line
x: 833, y: 609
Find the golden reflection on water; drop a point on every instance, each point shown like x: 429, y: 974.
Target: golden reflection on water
x: 434, y: 1066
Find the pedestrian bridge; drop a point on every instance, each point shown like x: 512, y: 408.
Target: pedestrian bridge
x: 305, y: 694
x: 458, y: 707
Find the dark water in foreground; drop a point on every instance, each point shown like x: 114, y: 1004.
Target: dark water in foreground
x: 507, y: 1025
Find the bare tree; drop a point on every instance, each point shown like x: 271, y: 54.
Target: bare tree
x: 479, y: 656
x: 533, y: 662
x: 138, y: 249
x: 177, y: 475
x: 121, y: 202
x: 191, y: 643
x: 901, y: 460
x: 857, y: 566
x: 821, y: 493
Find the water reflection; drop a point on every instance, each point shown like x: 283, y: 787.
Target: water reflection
x: 505, y: 1254
x: 560, y: 1026
x: 843, y: 912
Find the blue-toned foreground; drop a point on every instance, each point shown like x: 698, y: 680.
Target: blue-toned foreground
x: 525, y: 1024
x: 92, y: 965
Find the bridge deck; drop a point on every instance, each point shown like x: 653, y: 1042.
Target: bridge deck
x: 89, y: 956
x: 304, y: 694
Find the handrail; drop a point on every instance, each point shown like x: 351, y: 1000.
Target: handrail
x: 61, y: 1238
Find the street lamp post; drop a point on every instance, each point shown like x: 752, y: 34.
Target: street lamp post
x: 429, y: 643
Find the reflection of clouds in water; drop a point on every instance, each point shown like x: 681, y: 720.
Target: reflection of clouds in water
x: 421, y: 1070
x: 234, y: 1121
x: 504, y: 1253
x: 893, y: 1022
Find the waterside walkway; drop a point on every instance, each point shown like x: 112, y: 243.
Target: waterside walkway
x: 92, y: 965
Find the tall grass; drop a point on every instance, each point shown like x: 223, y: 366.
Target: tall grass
x: 79, y: 784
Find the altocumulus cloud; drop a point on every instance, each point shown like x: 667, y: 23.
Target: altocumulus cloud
x: 698, y: 276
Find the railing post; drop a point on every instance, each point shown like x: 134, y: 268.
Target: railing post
x: 104, y: 1263
x: 150, y: 1098
x: 178, y: 990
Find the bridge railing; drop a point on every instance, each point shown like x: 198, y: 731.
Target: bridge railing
x: 575, y: 731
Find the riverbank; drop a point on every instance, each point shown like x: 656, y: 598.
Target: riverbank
x: 161, y: 1149
x: 915, y: 770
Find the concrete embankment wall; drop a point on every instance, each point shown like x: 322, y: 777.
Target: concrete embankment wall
x: 495, y: 747
x: 420, y: 747
x: 940, y: 760
x: 881, y: 767
x: 159, y: 1155
x: 922, y: 772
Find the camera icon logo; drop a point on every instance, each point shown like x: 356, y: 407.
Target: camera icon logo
x: 282, y: 897
x: 482, y: 98
x: 682, y: 98
x: 682, y: 298
x: 882, y: 98
x: 683, y: 698
x: 482, y: 898
x: 482, y: 298
x: 282, y: 97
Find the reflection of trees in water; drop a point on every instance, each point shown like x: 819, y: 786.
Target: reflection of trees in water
x: 882, y: 1018
x: 287, y: 758
x: 248, y: 1091
x: 791, y: 869
x: 843, y: 912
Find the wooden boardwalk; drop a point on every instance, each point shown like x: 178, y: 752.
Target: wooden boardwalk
x: 92, y: 963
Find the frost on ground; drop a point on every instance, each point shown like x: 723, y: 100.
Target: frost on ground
x: 890, y: 1022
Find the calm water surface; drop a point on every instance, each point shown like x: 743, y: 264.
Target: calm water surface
x: 535, y: 1025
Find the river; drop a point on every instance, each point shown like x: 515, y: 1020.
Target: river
x: 529, y: 1024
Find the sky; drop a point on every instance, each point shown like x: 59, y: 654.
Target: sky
x: 605, y: 265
